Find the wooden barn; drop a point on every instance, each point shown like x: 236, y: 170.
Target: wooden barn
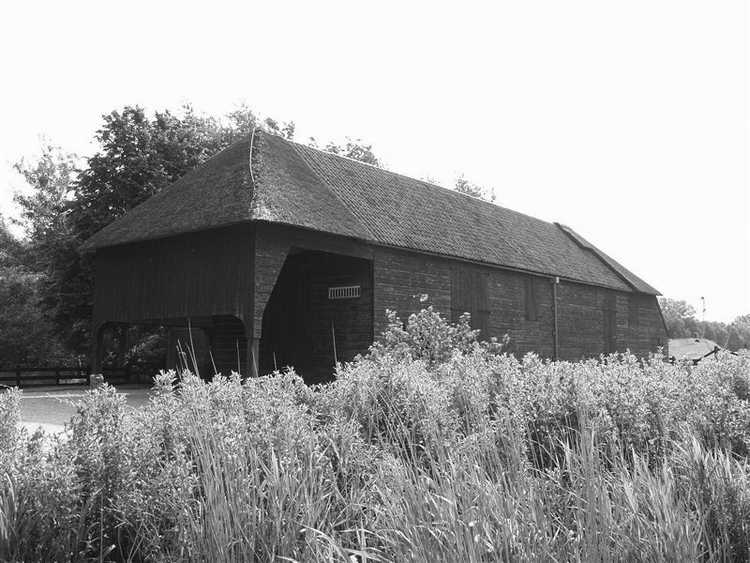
x: 280, y: 254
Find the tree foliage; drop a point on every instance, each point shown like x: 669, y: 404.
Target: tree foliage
x: 355, y: 149
x: 464, y: 186
x: 26, y: 336
x: 681, y: 322
x: 51, y: 176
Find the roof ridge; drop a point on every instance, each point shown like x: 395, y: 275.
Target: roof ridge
x: 608, y: 261
x: 587, y: 246
x: 412, y: 178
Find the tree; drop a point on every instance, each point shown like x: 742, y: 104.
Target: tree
x: 464, y: 186
x: 734, y: 342
x: 679, y: 317
x: 285, y: 130
x: 26, y: 336
x: 51, y: 177
x: 716, y: 331
x: 740, y: 327
x: 10, y: 248
x: 43, y: 211
x: 355, y: 149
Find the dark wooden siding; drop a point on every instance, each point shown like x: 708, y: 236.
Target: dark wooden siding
x: 529, y: 298
x: 591, y: 320
x: 233, y: 272
x: 609, y: 323
x: 193, y: 275
x: 469, y: 294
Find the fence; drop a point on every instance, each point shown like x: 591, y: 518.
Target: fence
x: 61, y: 375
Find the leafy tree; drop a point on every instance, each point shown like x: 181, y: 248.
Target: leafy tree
x: 44, y: 214
x: 285, y: 130
x: 10, y: 248
x: 26, y: 336
x: 355, y: 149
x: 681, y: 323
x: 679, y: 317
x: 464, y: 186
x: 734, y: 342
x: 740, y: 327
x: 718, y: 332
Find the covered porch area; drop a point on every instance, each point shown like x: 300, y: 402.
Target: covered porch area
x: 206, y: 346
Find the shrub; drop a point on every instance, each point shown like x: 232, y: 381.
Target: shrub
x: 433, y: 446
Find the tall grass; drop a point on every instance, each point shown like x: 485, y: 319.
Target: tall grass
x: 432, y: 447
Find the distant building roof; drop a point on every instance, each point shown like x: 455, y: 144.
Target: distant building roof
x: 692, y: 349
x: 289, y: 183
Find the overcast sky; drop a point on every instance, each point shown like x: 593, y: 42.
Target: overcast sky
x: 625, y: 120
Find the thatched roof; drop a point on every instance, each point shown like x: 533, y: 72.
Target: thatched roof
x: 296, y: 185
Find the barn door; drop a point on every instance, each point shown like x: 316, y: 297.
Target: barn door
x: 469, y: 295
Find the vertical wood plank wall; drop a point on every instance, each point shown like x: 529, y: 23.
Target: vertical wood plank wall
x: 200, y: 274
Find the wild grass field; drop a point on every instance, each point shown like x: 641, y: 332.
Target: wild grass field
x: 432, y: 447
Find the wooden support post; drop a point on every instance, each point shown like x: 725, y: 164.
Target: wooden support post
x: 171, y: 349
x: 555, y: 328
x: 124, y: 343
x: 96, y: 349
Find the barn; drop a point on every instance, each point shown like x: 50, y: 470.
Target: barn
x: 281, y: 254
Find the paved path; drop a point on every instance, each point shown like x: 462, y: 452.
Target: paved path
x: 50, y: 408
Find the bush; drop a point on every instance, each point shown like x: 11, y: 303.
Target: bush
x: 431, y: 447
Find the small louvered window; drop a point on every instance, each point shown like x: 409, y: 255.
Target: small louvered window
x: 344, y: 292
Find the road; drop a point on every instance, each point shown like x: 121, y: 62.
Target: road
x: 50, y: 408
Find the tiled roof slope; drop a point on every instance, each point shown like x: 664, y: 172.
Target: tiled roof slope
x: 626, y: 274
x: 214, y: 194
x: 297, y: 185
x: 288, y: 191
x: 402, y: 211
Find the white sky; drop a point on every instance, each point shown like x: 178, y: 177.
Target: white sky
x: 626, y: 120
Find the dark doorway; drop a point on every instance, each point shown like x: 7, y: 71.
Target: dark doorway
x: 209, y: 345
x: 320, y: 311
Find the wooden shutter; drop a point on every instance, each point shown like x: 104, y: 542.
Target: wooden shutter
x: 469, y: 294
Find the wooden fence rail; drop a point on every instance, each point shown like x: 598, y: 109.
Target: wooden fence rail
x: 60, y: 375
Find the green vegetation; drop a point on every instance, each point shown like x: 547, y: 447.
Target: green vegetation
x: 681, y: 321
x: 432, y: 447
